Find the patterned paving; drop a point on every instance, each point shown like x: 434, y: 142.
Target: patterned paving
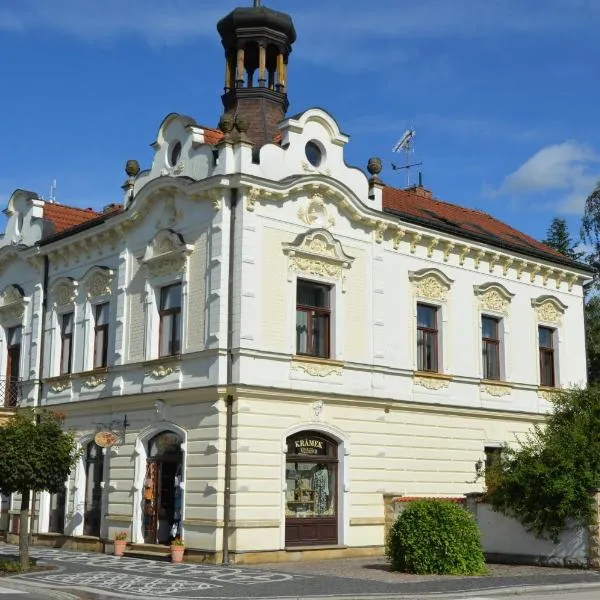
x: 132, y: 577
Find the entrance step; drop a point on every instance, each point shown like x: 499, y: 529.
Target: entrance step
x: 149, y: 552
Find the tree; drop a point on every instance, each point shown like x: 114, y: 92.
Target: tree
x: 590, y: 230
x: 592, y: 339
x: 546, y: 480
x: 36, y: 454
x: 558, y: 237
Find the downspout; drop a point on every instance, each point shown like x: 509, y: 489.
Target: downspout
x: 229, y: 400
x: 40, y: 373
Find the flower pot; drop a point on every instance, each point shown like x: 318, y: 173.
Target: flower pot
x: 177, y: 553
x: 120, y: 546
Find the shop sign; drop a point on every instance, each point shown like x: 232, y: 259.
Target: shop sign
x: 309, y: 446
x: 106, y: 439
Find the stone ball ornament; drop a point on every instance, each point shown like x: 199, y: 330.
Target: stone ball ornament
x: 374, y: 166
x: 242, y: 124
x: 132, y: 167
x: 226, y: 123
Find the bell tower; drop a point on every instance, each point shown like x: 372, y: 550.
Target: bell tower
x: 257, y: 42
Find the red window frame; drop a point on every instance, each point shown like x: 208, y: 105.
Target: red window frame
x: 547, y: 352
x: 64, y: 338
x: 314, y: 316
x: 427, y: 334
x: 491, y: 367
x: 98, y: 329
x: 175, y: 312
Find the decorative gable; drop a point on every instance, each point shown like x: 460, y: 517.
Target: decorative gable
x: 317, y: 252
x: 98, y: 281
x: 493, y: 297
x: 430, y: 284
x: 64, y: 291
x: 12, y: 305
x: 166, y: 254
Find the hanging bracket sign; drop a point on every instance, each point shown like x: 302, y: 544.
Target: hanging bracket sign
x: 106, y: 439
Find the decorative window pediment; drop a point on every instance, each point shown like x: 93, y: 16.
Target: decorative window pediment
x: 64, y: 291
x: 317, y: 252
x: 12, y: 304
x: 493, y: 297
x: 549, y: 308
x: 431, y: 284
x: 99, y: 282
x: 166, y: 254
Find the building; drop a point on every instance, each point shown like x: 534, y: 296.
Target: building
x: 262, y: 341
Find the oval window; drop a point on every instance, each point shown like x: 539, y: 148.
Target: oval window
x: 314, y: 154
x: 175, y: 153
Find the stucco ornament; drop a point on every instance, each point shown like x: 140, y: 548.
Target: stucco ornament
x: 315, y: 213
x: 431, y: 383
x: 64, y: 291
x: 317, y: 409
x: 430, y: 284
x: 317, y: 369
x: 497, y: 391
x: 12, y: 304
x: 493, y: 297
x: 318, y: 253
x: 94, y: 381
x: 549, y: 309
x: 163, y: 370
x: 546, y: 394
x: 166, y: 254
x: 60, y: 385
x: 99, y: 281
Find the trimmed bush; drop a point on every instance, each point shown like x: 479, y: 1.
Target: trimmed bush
x: 435, y: 537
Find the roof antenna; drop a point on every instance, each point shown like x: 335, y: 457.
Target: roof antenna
x: 53, y: 191
x: 405, y: 144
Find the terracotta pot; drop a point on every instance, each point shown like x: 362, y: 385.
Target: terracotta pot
x: 177, y: 553
x: 120, y: 546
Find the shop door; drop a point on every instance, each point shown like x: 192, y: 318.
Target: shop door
x: 13, y: 360
x: 163, y: 494
x: 56, y: 522
x: 94, y: 467
x: 311, y: 490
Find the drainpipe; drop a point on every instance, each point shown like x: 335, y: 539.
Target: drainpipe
x: 34, y: 497
x: 229, y: 399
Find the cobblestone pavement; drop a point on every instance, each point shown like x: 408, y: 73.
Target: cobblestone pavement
x: 107, y: 576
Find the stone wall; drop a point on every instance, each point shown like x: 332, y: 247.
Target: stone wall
x: 594, y: 534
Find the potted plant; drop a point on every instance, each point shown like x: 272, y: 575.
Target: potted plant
x: 177, y: 550
x: 120, y: 543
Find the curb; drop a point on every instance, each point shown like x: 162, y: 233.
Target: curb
x: 32, y: 589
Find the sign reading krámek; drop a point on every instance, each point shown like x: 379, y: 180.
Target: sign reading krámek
x: 106, y: 439
x: 309, y: 446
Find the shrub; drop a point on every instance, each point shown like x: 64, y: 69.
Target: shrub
x: 435, y: 536
x: 11, y: 564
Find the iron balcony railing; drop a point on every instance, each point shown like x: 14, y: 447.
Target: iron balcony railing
x: 11, y: 392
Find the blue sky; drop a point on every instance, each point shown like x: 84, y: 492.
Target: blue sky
x: 503, y: 94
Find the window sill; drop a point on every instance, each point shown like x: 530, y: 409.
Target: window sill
x: 496, y: 382
x: 433, y: 375
x: 162, y: 360
x: 306, y: 358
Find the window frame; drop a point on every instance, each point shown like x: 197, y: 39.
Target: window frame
x: 170, y: 312
x: 97, y: 329
x: 322, y: 312
x: 435, y: 331
x: 63, y: 337
x: 544, y: 351
x: 497, y: 341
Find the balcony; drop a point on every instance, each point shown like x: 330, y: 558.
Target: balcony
x: 11, y: 392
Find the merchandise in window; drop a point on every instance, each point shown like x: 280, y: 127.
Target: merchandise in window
x: 490, y: 343
x: 66, y: 337
x: 101, y: 336
x: 312, y: 319
x: 427, y: 338
x: 546, y: 346
x: 170, y: 320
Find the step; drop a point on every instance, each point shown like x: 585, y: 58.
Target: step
x: 159, y: 556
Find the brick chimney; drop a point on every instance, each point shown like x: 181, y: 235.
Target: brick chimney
x: 257, y: 42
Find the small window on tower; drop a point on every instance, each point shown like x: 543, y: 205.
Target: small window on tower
x: 175, y: 154
x: 314, y: 154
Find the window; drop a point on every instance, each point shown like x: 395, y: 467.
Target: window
x: 490, y: 344
x: 170, y: 320
x: 13, y: 360
x: 546, y: 345
x: 427, y: 338
x: 312, y: 319
x: 101, y: 336
x: 66, y: 343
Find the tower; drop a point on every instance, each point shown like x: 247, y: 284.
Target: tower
x: 257, y: 42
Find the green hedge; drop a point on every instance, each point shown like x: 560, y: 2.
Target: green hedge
x: 435, y: 537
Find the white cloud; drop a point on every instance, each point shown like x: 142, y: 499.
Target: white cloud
x: 567, y: 171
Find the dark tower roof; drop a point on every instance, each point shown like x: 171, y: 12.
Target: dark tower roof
x: 257, y: 42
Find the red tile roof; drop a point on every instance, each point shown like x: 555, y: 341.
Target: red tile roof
x: 418, y: 206
x: 65, y: 217
x: 212, y: 136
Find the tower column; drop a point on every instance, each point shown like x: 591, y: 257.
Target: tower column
x: 240, y: 67
x: 280, y: 73
x: 228, y: 73
x: 262, y: 62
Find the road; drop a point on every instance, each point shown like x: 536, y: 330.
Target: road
x: 583, y: 594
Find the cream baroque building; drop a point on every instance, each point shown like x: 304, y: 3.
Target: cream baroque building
x: 261, y: 341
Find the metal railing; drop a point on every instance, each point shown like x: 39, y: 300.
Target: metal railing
x: 11, y: 392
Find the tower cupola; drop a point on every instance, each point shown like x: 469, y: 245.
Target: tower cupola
x: 257, y: 42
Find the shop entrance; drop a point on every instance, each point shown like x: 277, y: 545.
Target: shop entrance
x: 311, y: 502
x: 163, y: 491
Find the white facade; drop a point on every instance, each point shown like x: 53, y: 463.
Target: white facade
x: 397, y: 429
